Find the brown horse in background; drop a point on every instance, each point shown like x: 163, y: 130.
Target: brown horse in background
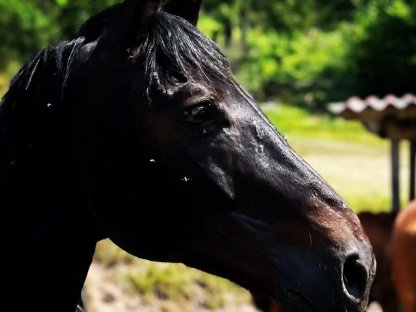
x: 403, y: 247
x: 378, y: 227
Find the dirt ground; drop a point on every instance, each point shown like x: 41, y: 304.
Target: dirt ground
x: 105, y: 295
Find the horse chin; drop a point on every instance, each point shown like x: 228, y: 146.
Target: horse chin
x: 266, y: 303
x: 294, y: 302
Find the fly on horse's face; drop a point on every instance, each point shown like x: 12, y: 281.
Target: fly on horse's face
x: 183, y: 166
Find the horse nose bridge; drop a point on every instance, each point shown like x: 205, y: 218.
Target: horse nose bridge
x: 272, y: 147
x: 272, y: 151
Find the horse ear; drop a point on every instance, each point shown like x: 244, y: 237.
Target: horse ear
x: 188, y: 10
x: 129, y: 18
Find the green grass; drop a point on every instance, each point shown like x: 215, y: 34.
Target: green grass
x: 298, y: 122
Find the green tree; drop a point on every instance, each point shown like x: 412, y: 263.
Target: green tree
x: 28, y: 25
x: 382, y: 57
x: 305, y: 52
x: 23, y: 28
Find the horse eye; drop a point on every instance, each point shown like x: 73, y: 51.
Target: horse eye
x: 200, y: 113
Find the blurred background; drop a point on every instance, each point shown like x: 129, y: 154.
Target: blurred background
x: 295, y: 57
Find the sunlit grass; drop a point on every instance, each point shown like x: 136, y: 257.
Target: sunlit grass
x: 294, y: 121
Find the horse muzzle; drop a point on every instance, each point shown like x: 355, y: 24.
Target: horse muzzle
x: 317, y: 284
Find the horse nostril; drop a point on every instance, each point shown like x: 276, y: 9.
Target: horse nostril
x: 354, y: 277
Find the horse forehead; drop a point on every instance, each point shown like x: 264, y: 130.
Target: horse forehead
x: 191, y: 92
x: 220, y: 93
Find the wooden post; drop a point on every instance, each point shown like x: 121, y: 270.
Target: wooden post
x: 412, y: 169
x: 395, y: 164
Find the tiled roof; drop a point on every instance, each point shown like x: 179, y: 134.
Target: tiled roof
x: 390, y: 116
x: 355, y: 105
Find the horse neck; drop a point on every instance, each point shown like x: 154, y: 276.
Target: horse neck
x: 47, y: 234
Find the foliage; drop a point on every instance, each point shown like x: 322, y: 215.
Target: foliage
x: 305, y: 52
x: 6, y: 75
x: 295, y: 67
x: 311, y: 52
x: 28, y: 25
x: 23, y: 28
x: 382, y: 56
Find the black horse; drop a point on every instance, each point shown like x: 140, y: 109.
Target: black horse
x: 137, y: 131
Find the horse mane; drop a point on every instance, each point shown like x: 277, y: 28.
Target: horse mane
x: 38, y: 83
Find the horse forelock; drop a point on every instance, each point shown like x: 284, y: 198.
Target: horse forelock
x: 177, y: 52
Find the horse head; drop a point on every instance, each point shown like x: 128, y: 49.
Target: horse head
x: 181, y: 165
